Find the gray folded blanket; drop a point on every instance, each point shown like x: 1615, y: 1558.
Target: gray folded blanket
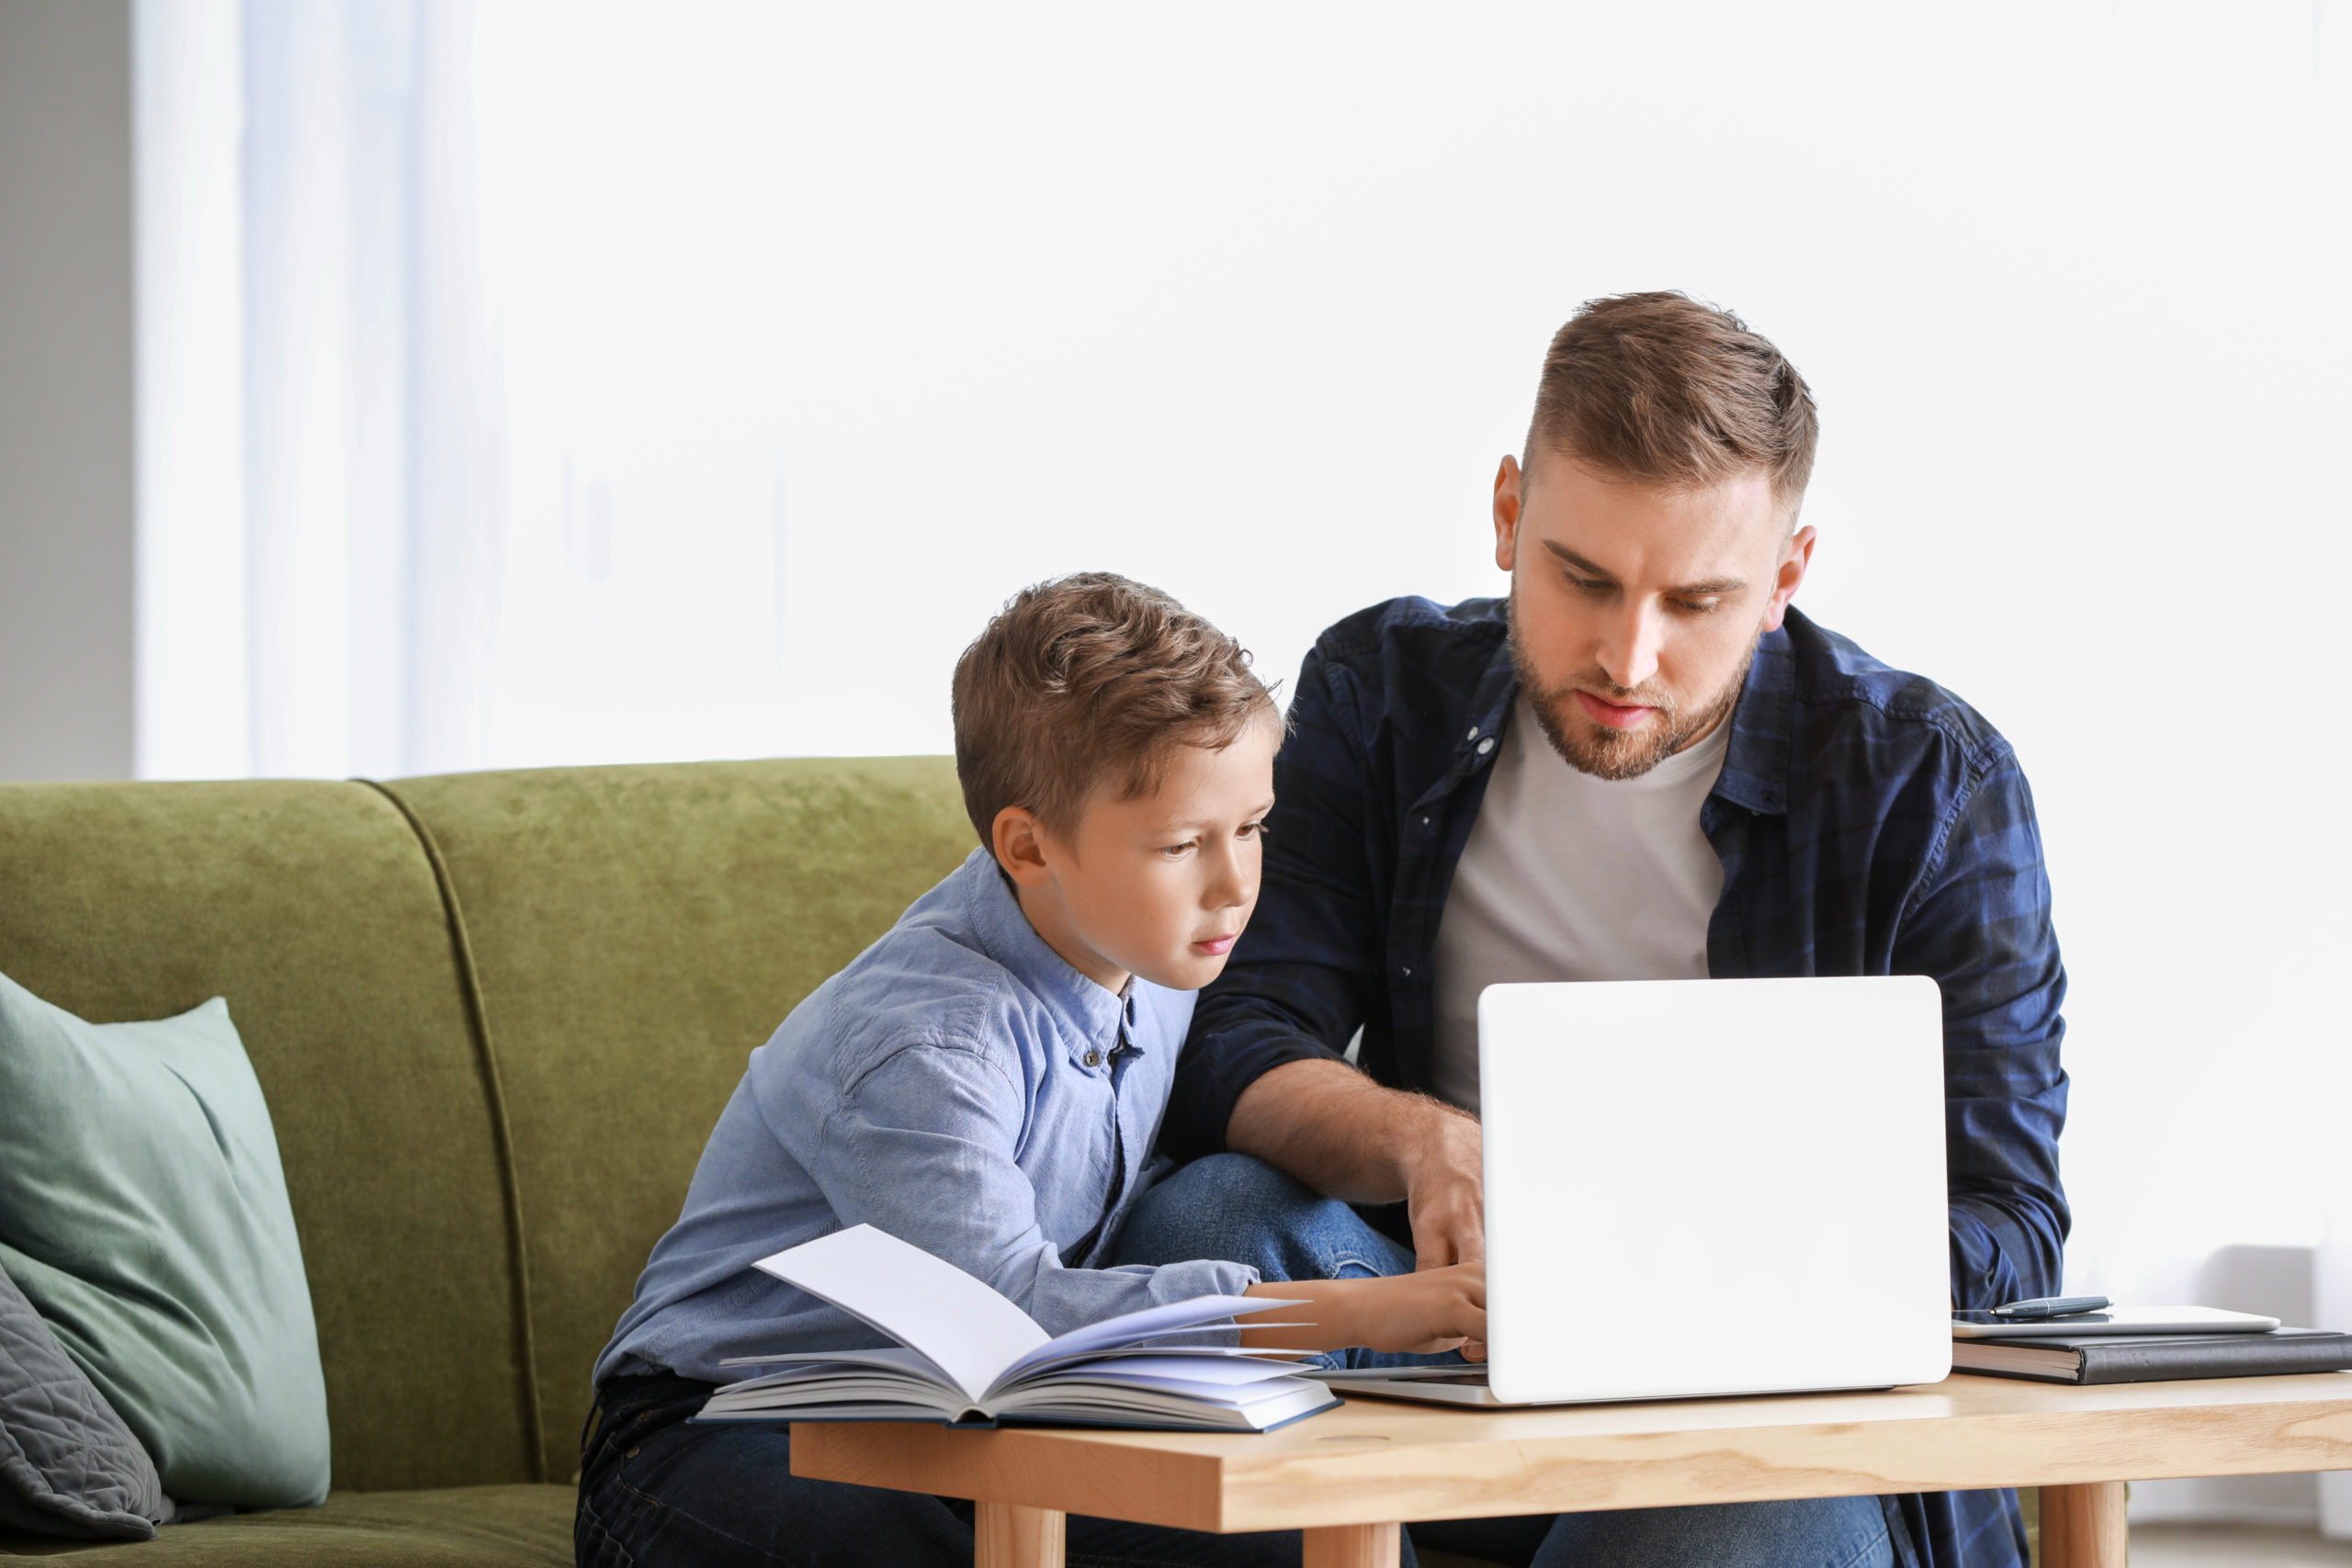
x: 68, y: 1465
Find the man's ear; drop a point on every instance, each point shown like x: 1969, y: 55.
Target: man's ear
x: 1017, y: 842
x: 1509, y: 486
x: 1796, y: 556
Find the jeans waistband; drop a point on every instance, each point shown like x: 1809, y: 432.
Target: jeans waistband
x: 629, y: 1409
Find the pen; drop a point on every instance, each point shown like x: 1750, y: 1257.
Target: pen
x: 2051, y: 1306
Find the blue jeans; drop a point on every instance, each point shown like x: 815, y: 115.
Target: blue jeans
x: 1232, y: 1206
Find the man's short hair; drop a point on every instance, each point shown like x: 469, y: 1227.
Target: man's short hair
x: 1661, y: 388
x: 1087, y: 681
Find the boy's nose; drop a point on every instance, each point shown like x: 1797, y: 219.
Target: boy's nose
x: 1233, y: 885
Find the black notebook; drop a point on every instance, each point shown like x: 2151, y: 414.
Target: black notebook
x: 2155, y: 1358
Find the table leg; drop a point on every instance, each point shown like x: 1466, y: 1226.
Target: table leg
x: 1005, y: 1536
x: 2083, y: 1527
x: 1353, y: 1546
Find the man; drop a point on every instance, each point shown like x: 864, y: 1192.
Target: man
x: 1645, y: 764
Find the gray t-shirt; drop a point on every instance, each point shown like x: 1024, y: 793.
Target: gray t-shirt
x: 1571, y: 877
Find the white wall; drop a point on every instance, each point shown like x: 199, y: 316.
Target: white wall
x: 66, y: 395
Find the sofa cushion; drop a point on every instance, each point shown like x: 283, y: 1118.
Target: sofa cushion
x: 467, y: 1527
x: 636, y: 931
x: 68, y: 1465
x: 142, y: 1211
x: 313, y: 907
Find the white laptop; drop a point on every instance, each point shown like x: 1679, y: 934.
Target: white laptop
x: 1706, y: 1186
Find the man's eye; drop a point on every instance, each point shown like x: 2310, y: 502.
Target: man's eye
x: 1698, y: 606
x: 1588, y: 584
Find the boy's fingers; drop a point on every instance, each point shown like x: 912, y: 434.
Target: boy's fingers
x: 1474, y: 1350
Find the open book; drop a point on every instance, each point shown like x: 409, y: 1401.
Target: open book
x: 971, y: 1356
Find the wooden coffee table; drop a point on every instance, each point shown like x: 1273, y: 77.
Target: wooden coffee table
x: 1350, y: 1477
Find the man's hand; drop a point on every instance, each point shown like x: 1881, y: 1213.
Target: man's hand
x: 1445, y: 1195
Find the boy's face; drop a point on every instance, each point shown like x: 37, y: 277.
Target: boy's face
x: 1158, y: 885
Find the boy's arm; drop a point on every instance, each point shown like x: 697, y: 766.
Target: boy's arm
x: 1979, y: 923
x: 922, y: 1147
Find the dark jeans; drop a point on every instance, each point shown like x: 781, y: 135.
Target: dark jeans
x: 1232, y: 1206
x: 657, y: 1493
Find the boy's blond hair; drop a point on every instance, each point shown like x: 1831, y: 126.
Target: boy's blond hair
x: 1088, y: 681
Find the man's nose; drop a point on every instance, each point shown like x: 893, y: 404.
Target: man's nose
x: 1630, y: 647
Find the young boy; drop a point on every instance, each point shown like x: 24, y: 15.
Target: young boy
x: 986, y: 1082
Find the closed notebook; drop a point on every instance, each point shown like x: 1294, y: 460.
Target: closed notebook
x: 2155, y: 1358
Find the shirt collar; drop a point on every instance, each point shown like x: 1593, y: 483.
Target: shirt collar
x: 1756, y: 762
x: 1089, y: 1018
x: 1755, y: 765
x: 1489, y: 706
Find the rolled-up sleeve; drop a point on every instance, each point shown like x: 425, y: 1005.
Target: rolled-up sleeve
x: 1979, y: 921
x: 925, y: 1146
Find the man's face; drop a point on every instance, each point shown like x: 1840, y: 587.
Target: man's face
x: 1636, y: 609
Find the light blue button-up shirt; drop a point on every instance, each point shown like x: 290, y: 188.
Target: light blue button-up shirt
x: 959, y: 1086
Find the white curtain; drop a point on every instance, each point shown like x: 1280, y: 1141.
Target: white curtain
x: 486, y: 506
x: 613, y: 382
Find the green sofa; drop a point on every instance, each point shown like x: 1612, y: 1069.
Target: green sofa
x: 495, y: 1015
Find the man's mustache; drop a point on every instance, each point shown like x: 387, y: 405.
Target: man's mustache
x: 1608, y: 691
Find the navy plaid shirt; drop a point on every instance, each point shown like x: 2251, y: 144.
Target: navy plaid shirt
x: 1868, y: 822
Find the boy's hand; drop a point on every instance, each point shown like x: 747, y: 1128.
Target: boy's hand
x: 1424, y: 1313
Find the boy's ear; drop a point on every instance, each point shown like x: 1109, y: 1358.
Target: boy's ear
x: 1016, y: 841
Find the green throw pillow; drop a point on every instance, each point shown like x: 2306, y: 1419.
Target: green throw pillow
x: 144, y: 1213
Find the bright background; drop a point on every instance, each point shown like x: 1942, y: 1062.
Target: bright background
x: 537, y: 384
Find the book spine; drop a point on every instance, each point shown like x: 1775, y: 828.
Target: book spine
x: 2161, y: 1363
x: 2018, y: 1373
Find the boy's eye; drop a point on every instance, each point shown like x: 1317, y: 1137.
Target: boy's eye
x: 1172, y: 850
x: 1253, y: 830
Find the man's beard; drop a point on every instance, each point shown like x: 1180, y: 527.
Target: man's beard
x: 1592, y: 747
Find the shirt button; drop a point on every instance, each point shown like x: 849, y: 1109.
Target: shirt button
x: 1425, y: 821
x: 1408, y: 970
x: 1472, y: 734
x: 1487, y: 745
x: 1094, y: 1058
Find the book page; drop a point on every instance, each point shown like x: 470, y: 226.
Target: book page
x: 959, y: 1323
x: 1150, y: 1322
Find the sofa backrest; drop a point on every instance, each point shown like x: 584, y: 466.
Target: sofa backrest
x: 636, y: 932
x: 495, y: 1015
x: 312, y: 908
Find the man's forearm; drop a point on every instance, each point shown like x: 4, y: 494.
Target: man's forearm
x: 1343, y: 1134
